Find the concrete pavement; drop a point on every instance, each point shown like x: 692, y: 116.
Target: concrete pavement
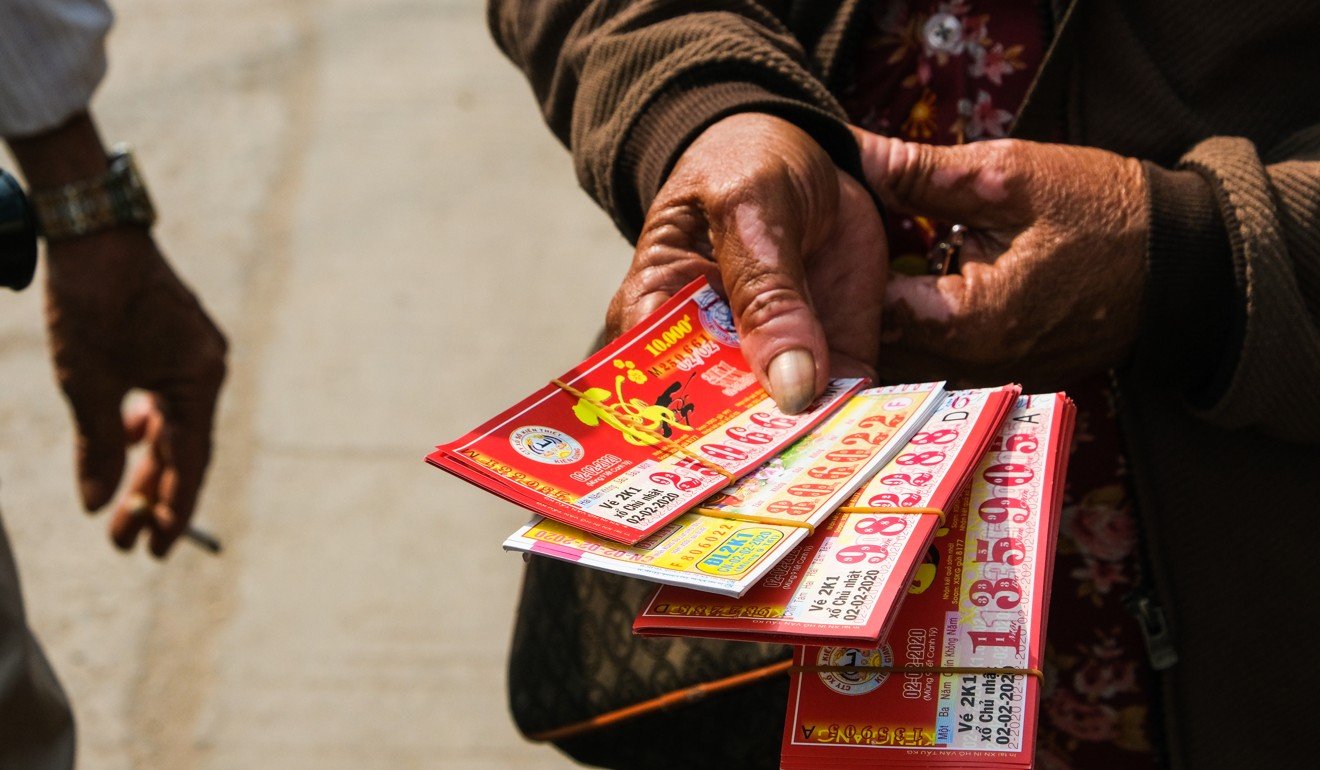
x: 367, y: 200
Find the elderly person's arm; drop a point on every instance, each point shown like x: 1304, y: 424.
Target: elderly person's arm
x: 118, y: 317
x: 709, y: 136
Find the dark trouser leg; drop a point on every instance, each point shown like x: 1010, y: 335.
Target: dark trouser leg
x: 36, y: 724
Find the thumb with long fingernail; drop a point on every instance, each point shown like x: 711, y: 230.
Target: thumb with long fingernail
x: 792, y: 376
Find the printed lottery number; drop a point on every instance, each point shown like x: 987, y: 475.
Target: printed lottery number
x: 831, y: 472
x: 739, y: 433
x: 885, y: 525
x: 920, y: 458
x: 681, y: 483
x: 892, y: 421
x: 1008, y: 474
x: 997, y: 509
x: 864, y: 438
x: 941, y: 436
x: 1005, y: 550
x: 770, y: 422
x: 722, y: 452
x: 790, y: 508
x: 1022, y: 442
x: 871, y: 553
x: 891, y: 500
x: 903, y: 479
x: 1006, y: 593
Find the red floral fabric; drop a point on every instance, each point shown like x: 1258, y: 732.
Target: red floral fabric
x: 957, y: 71
x: 935, y: 72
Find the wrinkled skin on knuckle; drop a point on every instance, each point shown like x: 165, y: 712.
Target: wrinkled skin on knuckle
x: 1005, y: 160
x: 1009, y: 176
x: 685, y: 231
x: 909, y: 166
x: 1002, y: 157
x: 657, y: 259
x: 769, y: 302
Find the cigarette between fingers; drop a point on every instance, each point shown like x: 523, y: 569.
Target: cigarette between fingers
x: 140, y: 507
x: 203, y: 539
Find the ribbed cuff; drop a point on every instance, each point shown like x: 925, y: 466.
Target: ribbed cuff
x: 686, y: 108
x: 1194, y: 306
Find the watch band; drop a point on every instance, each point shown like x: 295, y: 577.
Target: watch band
x: 119, y: 196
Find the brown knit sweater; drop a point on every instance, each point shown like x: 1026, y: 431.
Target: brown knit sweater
x: 1221, y: 400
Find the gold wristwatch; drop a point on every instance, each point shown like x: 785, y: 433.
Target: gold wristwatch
x: 117, y: 197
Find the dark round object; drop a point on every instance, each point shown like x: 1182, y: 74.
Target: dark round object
x: 18, y: 235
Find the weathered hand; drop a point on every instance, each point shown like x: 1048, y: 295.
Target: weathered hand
x: 1052, y: 270
x: 119, y: 318
x: 758, y: 207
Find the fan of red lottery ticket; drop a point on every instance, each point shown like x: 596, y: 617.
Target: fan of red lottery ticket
x: 901, y: 537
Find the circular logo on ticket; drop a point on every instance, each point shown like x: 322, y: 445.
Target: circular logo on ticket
x: 716, y: 317
x: 546, y: 445
x: 839, y: 660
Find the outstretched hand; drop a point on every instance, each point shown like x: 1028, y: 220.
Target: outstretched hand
x: 756, y: 206
x: 119, y: 318
x: 1052, y: 269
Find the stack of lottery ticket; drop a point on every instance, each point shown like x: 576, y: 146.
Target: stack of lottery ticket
x: 642, y: 431
x: 957, y: 681
x: 735, y: 537
x: 843, y: 584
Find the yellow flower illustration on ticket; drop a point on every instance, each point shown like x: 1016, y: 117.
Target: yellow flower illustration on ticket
x: 640, y: 423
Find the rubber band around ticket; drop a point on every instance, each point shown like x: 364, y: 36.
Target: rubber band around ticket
x: 1037, y: 673
x: 721, y: 513
x: 631, y: 422
x: 902, y: 511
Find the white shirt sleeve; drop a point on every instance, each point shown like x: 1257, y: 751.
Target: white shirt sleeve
x: 52, y: 57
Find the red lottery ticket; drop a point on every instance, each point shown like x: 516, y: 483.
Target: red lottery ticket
x: 845, y: 581
x: 956, y: 682
x: 625, y: 442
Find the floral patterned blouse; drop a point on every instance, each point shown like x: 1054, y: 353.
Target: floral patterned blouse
x: 952, y: 72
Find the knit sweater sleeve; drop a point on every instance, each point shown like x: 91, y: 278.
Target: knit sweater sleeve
x: 1266, y: 365
x: 628, y: 85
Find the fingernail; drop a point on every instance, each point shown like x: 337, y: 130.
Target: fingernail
x: 792, y: 376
